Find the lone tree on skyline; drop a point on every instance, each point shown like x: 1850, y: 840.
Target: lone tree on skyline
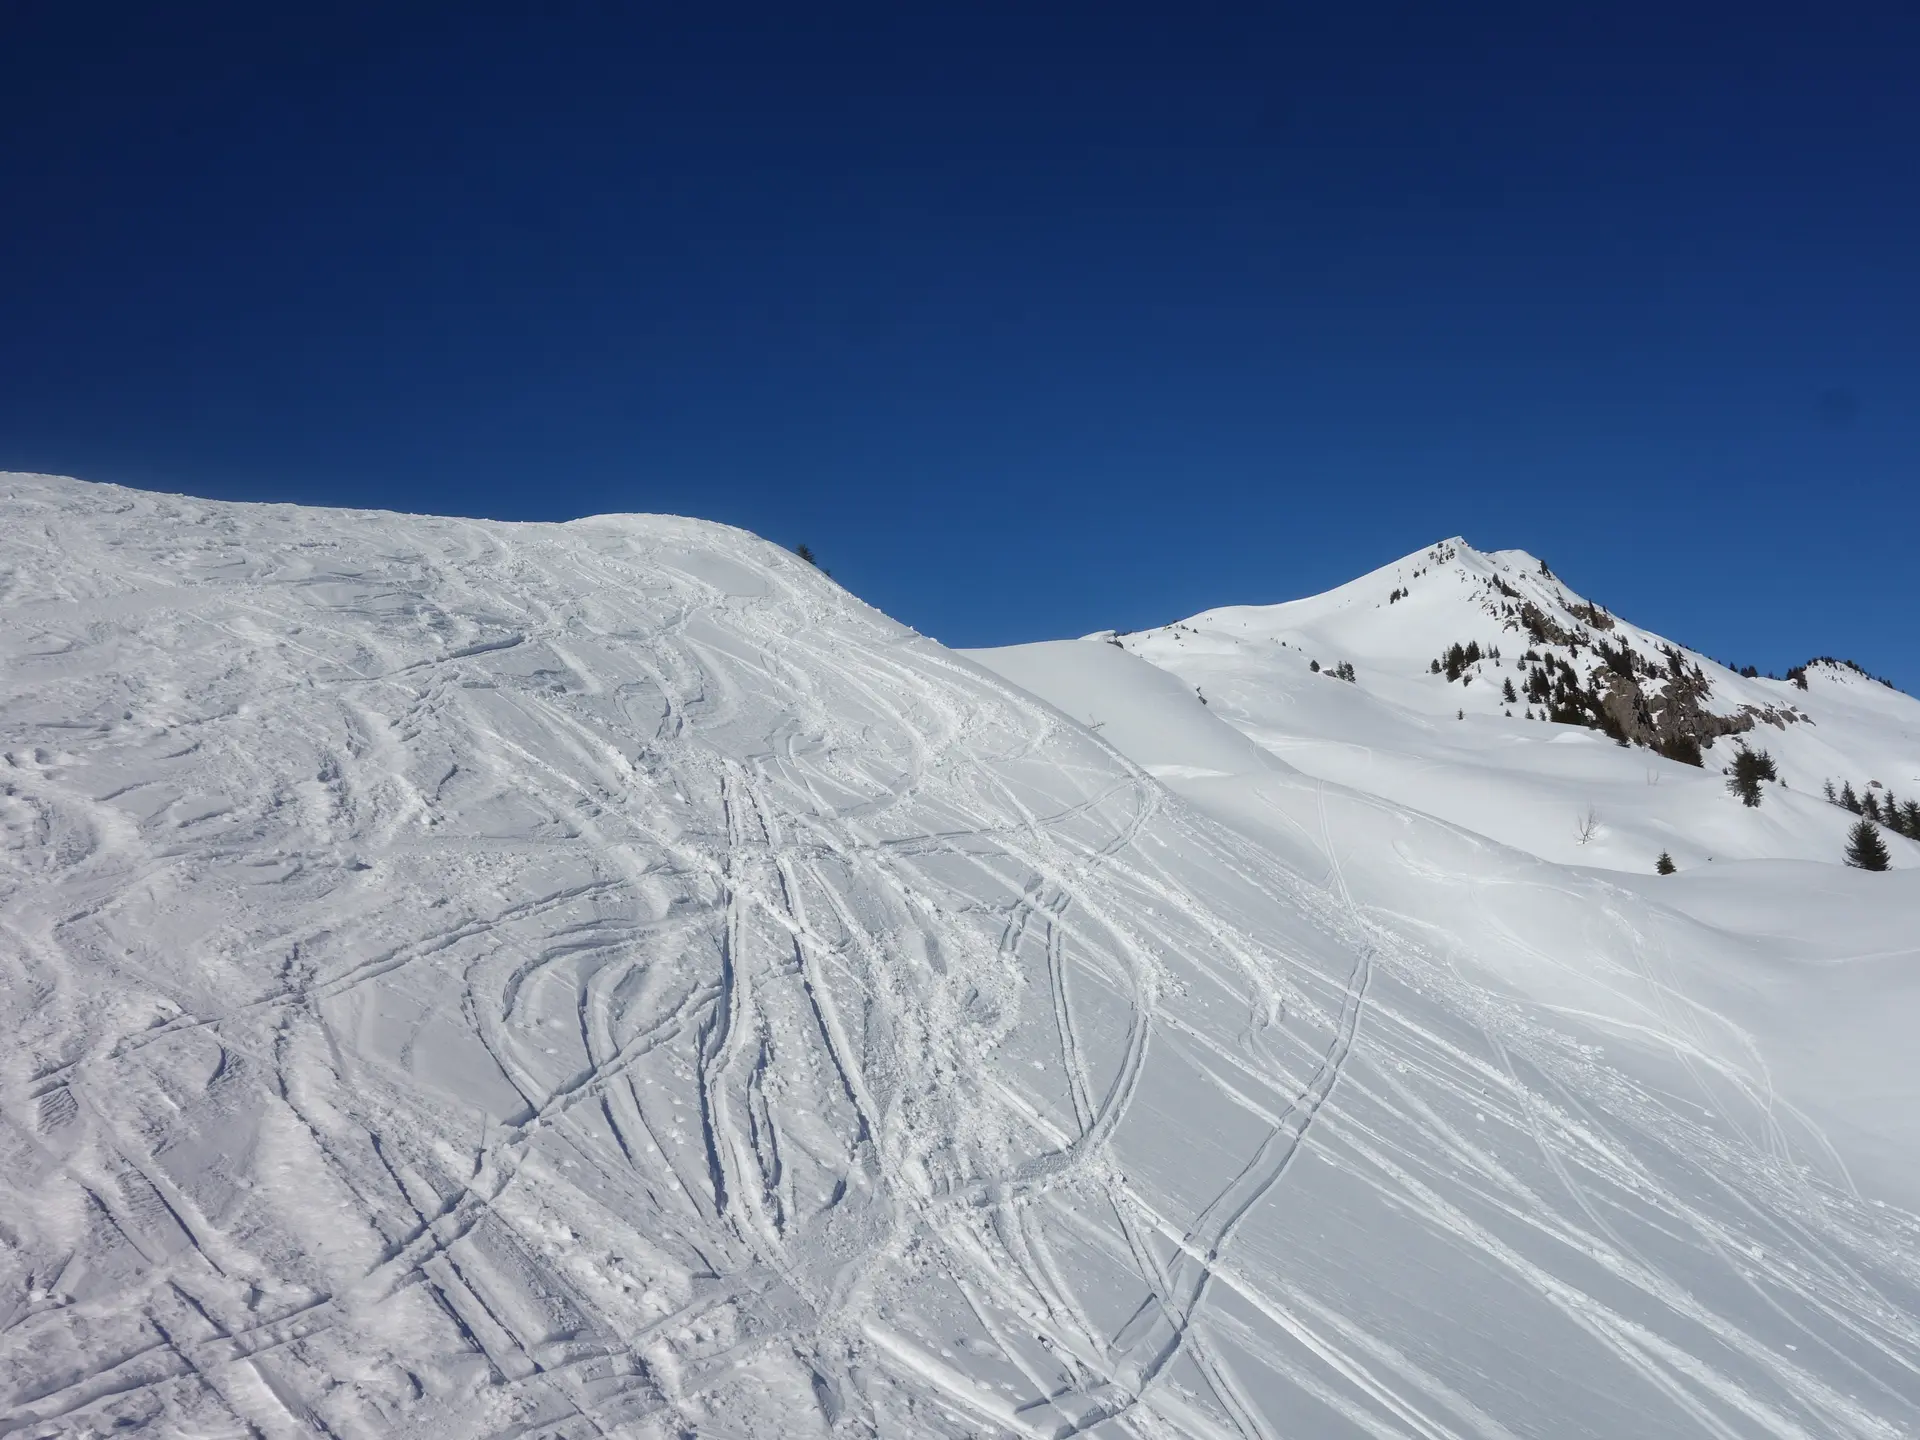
x: 1865, y: 849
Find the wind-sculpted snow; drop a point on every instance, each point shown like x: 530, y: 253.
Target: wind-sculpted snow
x: 473, y: 979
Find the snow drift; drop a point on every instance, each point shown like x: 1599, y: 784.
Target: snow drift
x: 482, y: 979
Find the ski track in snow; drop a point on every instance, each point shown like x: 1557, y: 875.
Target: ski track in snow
x: 476, y: 979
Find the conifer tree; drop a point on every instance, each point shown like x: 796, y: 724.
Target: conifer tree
x: 1750, y: 767
x: 1507, y: 693
x: 1664, y: 865
x: 1865, y: 849
x: 1848, y: 799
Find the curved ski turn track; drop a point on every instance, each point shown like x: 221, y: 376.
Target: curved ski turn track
x: 474, y: 979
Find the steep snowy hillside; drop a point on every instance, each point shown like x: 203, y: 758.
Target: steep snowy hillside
x: 1789, y: 978
x: 601, y: 979
x: 1486, y: 692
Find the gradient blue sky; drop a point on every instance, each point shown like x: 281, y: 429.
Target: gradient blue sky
x: 1030, y: 320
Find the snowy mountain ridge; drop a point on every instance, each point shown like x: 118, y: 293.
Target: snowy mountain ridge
x: 1495, y: 643
x: 479, y: 979
x: 1631, y: 680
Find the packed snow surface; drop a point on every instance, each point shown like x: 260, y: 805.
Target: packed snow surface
x: 600, y: 979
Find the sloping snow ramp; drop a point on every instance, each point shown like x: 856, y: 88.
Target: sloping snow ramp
x: 600, y: 979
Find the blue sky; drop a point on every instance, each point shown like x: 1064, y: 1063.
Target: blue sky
x: 1029, y: 320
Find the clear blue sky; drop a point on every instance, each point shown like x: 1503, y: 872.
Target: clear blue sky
x: 1030, y: 320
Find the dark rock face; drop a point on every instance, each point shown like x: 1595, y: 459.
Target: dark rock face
x: 1542, y: 628
x: 1677, y: 722
x: 1582, y: 667
x: 1659, y: 702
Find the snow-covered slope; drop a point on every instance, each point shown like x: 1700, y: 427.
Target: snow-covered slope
x: 1790, y: 971
x: 1460, y: 749
x: 478, y: 979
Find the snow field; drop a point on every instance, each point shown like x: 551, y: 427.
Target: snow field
x: 479, y: 979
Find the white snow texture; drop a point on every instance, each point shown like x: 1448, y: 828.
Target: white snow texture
x: 474, y: 979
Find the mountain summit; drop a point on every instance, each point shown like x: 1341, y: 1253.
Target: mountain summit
x: 1489, y: 658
